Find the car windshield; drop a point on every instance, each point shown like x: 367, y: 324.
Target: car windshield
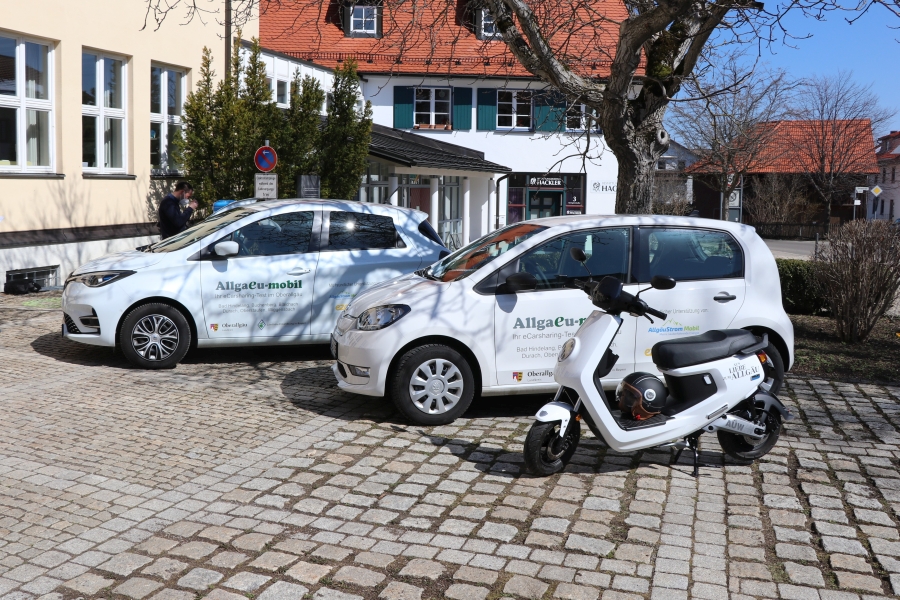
x: 210, y: 225
x: 469, y: 259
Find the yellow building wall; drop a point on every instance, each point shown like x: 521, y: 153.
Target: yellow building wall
x: 112, y: 26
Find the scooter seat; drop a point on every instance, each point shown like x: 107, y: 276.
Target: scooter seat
x: 697, y: 349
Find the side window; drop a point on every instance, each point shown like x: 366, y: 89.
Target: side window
x: 357, y: 231
x: 688, y: 254
x: 282, y: 234
x: 554, y: 268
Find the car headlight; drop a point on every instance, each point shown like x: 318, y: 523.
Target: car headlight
x: 98, y: 278
x: 380, y: 317
x: 567, y: 350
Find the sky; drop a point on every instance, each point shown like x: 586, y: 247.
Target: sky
x: 869, y: 48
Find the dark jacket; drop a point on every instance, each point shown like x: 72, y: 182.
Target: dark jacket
x: 172, y: 219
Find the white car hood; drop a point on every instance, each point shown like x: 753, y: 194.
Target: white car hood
x: 132, y: 260
x: 407, y: 289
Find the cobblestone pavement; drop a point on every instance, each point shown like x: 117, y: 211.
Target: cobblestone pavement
x: 231, y: 478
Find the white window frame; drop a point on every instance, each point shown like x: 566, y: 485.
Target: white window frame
x: 432, y: 99
x: 101, y: 112
x: 487, y: 19
x: 164, y: 119
x: 23, y: 104
x: 374, y: 20
x: 584, y: 112
x: 515, y: 108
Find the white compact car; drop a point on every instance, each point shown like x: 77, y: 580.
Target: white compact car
x: 274, y: 272
x: 492, y: 316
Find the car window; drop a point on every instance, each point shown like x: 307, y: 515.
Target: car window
x: 358, y: 231
x: 206, y: 227
x: 554, y: 268
x: 289, y: 233
x: 469, y: 259
x: 688, y: 254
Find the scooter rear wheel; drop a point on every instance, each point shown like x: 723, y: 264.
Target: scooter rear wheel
x: 744, y: 449
x: 539, y: 456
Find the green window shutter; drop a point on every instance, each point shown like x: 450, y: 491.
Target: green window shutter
x: 487, y: 109
x: 549, y: 112
x: 462, y: 109
x: 403, y: 107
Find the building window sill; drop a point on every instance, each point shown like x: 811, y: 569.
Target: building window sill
x: 434, y: 127
x: 9, y: 175
x: 123, y: 176
x: 170, y: 175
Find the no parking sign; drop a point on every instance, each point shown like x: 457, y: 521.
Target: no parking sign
x: 265, y: 159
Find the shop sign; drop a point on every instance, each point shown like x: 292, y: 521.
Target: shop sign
x: 603, y: 187
x: 545, y: 182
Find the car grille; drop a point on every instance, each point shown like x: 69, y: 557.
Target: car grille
x: 342, y: 370
x: 92, y: 321
x: 70, y: 324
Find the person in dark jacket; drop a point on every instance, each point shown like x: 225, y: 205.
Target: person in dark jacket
x: 172, y: 218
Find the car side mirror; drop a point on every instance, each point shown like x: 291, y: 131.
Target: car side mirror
x: 520, y: 282
x: 577, y: 254
x: 662, y: 282
x: 226, y: 249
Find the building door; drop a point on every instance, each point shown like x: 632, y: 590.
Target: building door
x: 544, y: 204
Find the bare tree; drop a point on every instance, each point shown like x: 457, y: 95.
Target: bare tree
x: 728, y: 121
x: 836, y: 140
x: 624, y: 61
x: 778, y: 198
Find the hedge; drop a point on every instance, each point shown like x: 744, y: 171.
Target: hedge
x: 800, y: 293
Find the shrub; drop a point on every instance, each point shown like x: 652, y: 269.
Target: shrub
x: 800, y: 292
x: 859, y: 269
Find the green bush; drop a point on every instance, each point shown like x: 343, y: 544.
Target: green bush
x: 800, y: 292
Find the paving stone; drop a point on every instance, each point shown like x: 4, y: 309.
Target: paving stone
x: 246, y: 581
x: 309, y: 573
x: 525, y: 587
x: 89, y: 583
x: 358, y: 576
x: 165, y: 568
x: 589, y: 545
x: 220, y: 594
x: 272, y: 561
x: 795, y: 552
x: 137, y: 587
x: 330, y: 594
x: 804, y: 575
x: 842, y: 546
x: 464, y: 591
x: 252, y: 542
x: 170, y: 594
x: 200, y: 579
x: 419, y: 567
x: 856, y: 581
x: 397, y: 590
x: 844, y: 562
x: 283, y: 590
x: 194, y: 550
x: 124, y: 564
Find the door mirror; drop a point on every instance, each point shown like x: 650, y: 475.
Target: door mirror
x: 226, y: 249
x: 520, y: 282
x: 577, y: 254
x: 662, y: 282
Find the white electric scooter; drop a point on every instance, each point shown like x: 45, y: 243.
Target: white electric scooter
x: 715, y: 383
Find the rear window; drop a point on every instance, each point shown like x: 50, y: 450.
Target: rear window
x: 359, y: 231
x: 688, y: 254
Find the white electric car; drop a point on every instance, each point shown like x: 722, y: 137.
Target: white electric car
x: 274, y: 272
x: 492, y: 317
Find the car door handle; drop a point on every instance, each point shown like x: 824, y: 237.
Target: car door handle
x: 724, y: 297
x: 296, y: 272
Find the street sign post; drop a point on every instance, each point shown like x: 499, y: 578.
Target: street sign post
x: 265, y: 159
x: 266, y: 186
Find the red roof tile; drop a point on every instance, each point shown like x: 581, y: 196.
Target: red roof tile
x: 441, y: 46
x: 796, y: 146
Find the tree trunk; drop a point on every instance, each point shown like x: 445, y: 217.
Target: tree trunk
x: 637, y: 147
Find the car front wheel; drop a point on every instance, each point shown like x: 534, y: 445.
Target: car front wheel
x: 433, y: 385
x: 155, y: 336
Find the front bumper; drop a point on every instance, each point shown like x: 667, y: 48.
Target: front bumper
x: 87, y: 316
x: 362, y: 349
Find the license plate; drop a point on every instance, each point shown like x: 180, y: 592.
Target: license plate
x: 334, y: 346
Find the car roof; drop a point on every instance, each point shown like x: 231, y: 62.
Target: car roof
x: 348, y: 205
x: 656, y: 220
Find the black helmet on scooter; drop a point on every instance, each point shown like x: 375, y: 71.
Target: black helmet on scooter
x: 641, y: 395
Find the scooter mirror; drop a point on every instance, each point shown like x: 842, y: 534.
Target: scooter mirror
x: 662, y: 282
x: 577, y: 254
x: 520, y: 282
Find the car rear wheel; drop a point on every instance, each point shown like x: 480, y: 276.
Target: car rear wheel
x: 155, y: 336
x: 433, y: 385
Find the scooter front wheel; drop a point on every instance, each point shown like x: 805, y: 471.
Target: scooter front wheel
x: 545, y: 453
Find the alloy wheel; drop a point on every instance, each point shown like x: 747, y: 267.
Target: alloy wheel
x: 155, y: 337
x: 436, y: 386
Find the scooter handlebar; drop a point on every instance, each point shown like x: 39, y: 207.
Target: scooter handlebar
x: 655, y: 313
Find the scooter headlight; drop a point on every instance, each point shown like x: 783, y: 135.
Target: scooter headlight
x: 567, y: 350
x: 380, y: 317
